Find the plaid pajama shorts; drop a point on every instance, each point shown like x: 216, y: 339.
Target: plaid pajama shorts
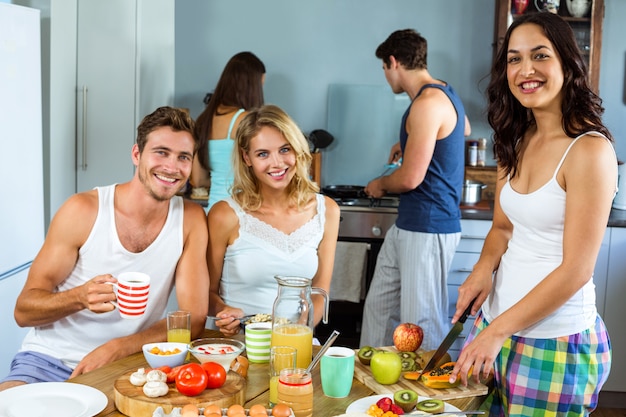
x: 549, y: 377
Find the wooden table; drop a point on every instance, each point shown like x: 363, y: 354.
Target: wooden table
x: 257, y: 390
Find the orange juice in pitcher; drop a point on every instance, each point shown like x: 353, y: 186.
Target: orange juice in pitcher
x: 297, y: 335
x: 292, y: 316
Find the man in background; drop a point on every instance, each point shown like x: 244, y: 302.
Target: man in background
x: 140, y: 226
x: 410, y: 279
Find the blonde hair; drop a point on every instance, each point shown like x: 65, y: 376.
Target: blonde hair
x: 246, y: 190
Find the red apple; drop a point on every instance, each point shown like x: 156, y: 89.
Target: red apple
x: 407, y: 337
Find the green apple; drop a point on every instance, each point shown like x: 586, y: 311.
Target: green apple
x: 386, y: 367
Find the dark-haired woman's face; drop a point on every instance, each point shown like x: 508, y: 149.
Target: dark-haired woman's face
x: 534, y: 70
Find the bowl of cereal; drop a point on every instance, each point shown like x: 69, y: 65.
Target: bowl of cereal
x: 165, y: 354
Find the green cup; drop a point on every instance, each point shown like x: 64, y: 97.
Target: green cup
x: 337, y: 371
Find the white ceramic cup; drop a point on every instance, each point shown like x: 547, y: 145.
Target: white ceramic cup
x: 131, y: 292
x: 258, y: 338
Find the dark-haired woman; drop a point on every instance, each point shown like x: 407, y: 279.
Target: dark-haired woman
x: 239, y: 88
x: 539, y: 331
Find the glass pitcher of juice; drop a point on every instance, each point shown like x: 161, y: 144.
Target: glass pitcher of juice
x: 292, y: 316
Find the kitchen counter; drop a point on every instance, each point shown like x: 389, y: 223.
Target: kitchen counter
x: 617, y: 218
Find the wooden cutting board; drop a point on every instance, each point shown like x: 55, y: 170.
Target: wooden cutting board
x: 131, y: 400
x: 364, y: 375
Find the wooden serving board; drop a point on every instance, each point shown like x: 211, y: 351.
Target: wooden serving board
x: 130, y: 399
x: 363, y: 374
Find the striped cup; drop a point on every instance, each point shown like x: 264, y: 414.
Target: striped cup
x: 258, y: 337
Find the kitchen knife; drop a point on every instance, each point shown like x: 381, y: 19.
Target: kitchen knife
x: 448, y: 341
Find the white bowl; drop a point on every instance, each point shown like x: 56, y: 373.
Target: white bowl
x: 215, y: 349
x: 161, y: 359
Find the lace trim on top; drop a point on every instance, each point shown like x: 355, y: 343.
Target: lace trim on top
x: 288, y: 243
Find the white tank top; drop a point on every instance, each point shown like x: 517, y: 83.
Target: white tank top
x: 71, y: 338
x: 535, y: 250
x: 261, y: 252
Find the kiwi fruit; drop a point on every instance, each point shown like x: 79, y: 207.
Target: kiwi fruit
x: 423, y: 359
x: 407, y: 355
x: 431, y: 406
x: 408, y: 364
x: 405, y: 399
x: 365, y: 354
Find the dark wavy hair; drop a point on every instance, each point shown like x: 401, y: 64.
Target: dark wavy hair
x: 581, y: 108
x: 241, y: 86
x: 407, y: 46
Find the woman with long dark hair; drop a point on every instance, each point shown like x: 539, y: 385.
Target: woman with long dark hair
x: 538, y: 330
x: 239, y: 88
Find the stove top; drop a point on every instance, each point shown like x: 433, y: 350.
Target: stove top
x: 391, y: 202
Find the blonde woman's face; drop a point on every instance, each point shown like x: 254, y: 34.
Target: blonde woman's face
x: 271, y: 158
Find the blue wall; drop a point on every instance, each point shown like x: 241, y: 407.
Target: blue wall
x: 308, y: 46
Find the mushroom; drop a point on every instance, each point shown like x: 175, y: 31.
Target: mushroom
x: 138, y: 378
x: 155, y: 389
x: 156, y: 375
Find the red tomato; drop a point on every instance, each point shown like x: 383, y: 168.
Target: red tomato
x: 215, y: 373
x: 191, y: 380
x: 171, y: 375
x: 165, y: 369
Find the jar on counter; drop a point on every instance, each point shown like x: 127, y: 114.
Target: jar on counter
x: 481, y: 155
x: 472, y: 153
x: 295, y: 389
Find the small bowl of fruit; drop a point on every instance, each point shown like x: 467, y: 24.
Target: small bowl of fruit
x: 215, y: 349
x: 165, y: 354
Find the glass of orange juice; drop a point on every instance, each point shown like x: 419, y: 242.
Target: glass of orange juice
x: 281, y: 357
x: 179, y: 326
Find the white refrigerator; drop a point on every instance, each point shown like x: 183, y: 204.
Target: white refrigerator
x: 21, y: 166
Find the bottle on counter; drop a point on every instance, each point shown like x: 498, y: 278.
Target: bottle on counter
x: 472, y: 153
x: 295, y: 389
x: 481, y: 155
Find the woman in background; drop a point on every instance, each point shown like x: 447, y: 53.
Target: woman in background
x: 239, y: 88
x: 539, y: 331
x: 274, y: 223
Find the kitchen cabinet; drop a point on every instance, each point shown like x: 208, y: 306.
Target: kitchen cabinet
x: 125, y: 70
x: 615, y: 308
x: 473, y: 233
x: 587, y: 29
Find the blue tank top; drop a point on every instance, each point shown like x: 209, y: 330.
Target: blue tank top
x: 221, y: 163
x: 433, y: 207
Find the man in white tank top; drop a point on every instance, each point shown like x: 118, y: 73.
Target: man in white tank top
x: 140, y: 225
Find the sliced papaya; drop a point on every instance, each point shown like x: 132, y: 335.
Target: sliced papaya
x: 439, y: 377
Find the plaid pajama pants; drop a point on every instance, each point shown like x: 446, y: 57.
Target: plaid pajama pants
x: 549, y: 377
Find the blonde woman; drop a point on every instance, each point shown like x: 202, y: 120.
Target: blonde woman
x: 274, y: 223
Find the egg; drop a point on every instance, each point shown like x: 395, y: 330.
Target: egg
x: 258, y: 414
x: 235, y: 409
x: 190, y: 410
x: 257, y: 409
x: 211, y: 409
x: 281, y: 410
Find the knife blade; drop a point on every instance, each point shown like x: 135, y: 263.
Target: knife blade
x: 447, y: 341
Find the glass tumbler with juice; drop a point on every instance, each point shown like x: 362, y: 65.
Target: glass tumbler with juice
x: 179, y: 326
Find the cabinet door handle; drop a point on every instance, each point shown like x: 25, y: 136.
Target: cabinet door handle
x: 83, y: 163
x: 473, y: 237
x: 463, y: 270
